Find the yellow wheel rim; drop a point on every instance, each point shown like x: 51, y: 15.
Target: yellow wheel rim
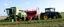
x: 45, y: 17
x: 54, y: 17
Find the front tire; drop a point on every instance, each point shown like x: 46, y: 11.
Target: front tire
x: 54, y: 17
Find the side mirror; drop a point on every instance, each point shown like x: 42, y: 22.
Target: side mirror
x: 4, y: 10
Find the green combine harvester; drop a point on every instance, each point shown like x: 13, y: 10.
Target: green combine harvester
x: 14, y: 14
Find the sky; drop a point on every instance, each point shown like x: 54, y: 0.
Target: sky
x: 31, y: 4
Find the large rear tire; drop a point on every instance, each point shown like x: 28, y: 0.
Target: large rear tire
x: 45, y: 17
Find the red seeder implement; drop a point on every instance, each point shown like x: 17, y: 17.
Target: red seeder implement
x: 31, y: 14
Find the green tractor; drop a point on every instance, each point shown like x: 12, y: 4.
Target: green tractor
x: 14, y: 14
x: 50, y: 13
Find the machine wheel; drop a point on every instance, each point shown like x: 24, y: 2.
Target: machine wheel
x: 27, y: 18
x: 45, y: 17
x: 41, y: 17
x: 22, y: 18
x: 54, y: 17
x: 35, y: 18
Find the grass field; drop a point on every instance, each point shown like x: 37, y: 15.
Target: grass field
x: 36, y: 23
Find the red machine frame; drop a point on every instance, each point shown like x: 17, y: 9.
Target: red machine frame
x: 31, y: 14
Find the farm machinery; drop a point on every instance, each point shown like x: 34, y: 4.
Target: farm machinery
x: 31, y: 14
x: 14, y: 14
x: 50, y: 13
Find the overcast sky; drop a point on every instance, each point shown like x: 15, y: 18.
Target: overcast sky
x: 31, y: 4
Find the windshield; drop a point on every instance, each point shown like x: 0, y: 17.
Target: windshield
x: 9, y: 11
x: 49, y: 10
x: 52, y: 10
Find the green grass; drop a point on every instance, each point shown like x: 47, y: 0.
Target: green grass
x: 36, y: 23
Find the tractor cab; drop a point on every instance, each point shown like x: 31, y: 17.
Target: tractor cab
x: 49, y: 9
x: 11, y: 11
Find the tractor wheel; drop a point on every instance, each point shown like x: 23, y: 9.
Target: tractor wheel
x: 41, y: 17
x: 45, y: 17
x: 54, y: 17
